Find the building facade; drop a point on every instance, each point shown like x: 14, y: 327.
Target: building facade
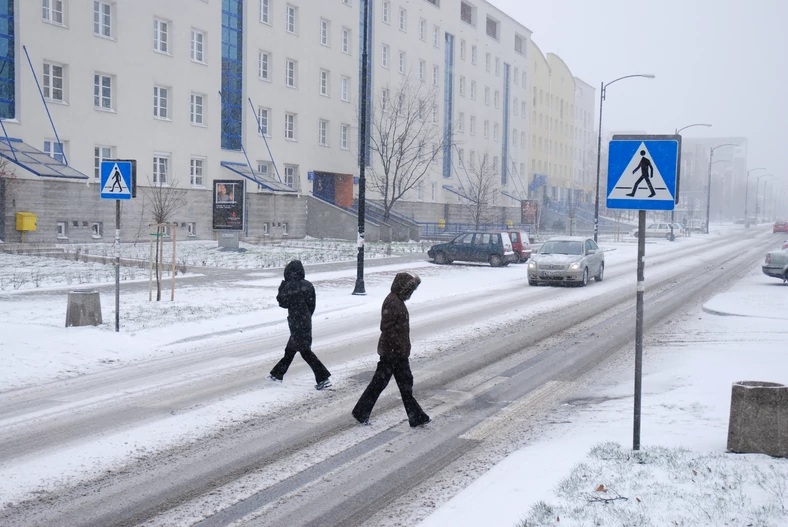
x: 585, y: 143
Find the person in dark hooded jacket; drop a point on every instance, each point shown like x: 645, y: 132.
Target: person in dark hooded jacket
x: 394, y: 351
x: 297, y: 295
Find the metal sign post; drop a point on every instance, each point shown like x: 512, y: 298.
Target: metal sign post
x: 118, y: 181
x: 643, y: 174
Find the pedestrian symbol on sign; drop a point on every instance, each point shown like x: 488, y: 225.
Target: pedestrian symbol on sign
x: 117, y: 179
x: 646, y: 173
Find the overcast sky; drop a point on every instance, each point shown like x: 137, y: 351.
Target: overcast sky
x: 723, y: 62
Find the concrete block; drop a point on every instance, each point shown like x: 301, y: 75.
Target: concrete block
x: 84, y: 308
x: 759, y: 418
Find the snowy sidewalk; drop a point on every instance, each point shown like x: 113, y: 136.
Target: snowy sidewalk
x: 690, y: 365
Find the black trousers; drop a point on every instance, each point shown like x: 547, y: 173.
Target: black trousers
x: 320, y: 371
x: 400, y: 369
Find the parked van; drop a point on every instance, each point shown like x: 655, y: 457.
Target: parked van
x: 492, y: 247
x: 520, y: 245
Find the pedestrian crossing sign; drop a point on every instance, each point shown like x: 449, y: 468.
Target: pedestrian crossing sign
x: 118, y: 179
x: 643, y: 172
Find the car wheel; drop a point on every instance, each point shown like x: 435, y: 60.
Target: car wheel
x: 441, y: 259
x: 495, y: 261
x: 585, y: 277
x: 601, y: 275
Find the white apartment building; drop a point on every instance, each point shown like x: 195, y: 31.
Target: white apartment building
x: 585, y: 142
x: 267, y: 90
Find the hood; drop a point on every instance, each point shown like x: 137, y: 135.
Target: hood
x: 405, y: 284
x: 557, y: 259
x: 294, y: 271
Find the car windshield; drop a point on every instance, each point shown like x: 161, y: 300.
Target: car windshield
x: 562, y: 247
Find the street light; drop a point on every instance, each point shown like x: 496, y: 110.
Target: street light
x: 678, y: 131
x: 708, y: 184
x: 359, y: 288
x: 599, y: 143
x: 746, y: 196
x: 757, y: 192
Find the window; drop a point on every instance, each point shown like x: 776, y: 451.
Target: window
x: 102, y: 19
x: 53, y: 82
x: 323, y: 32
x: 514, y: 137
x: 102, y: 91
x: 345, y: 89
x: 290, y: 73
x: 265, y: 11
x: 161, y: 102
x: 519, y: 44
x: 161, y: 167
x: 497, y: 98
x: 290, y: 124
x: 384, y: 57
x: 524, y: 79
x: 196, y: 167
x: 523, y: 110
x: 487, y: 62
x: 434, y: 191
x: 473, y: 125
x: 284, y: 224
x: 191, y: 229
x: 290, y: 180
x: 198, y: 46
x: 498, y: 66
x: 487, y: 95
x: 468, y: 13
x: 401, y: 63
x: 403, y: 20
x: 344, y: 133
x: 324, y: 87
x: 422, y: 67
x: 434, y: 113
x: 436, y: 33
x: 345, y: 40
x: 384, y: 97
x: 486, y: 129
x: 473, y: 90
x: 462, y: 49
x: 516, y: 75
x: 386, y: 12
x: 61, y: 230
x: 435, y: 75
x: 264, y: 66
x: 290, y: 22
x: 514, y: 106
x: 52, y: 11
x: 195, y: 109
x: 493, y: 27
x: 322, y: 133
x: 100, y: 153
x: 461, y: 122
x: 522, y: 139
x: 161, y: 41
x: 95, y: 230
x: 495, y: 131
x: 462, y: 86
x: 262, y: 117
x: 473, y: 55
x: 420, y: 190
x: 422, y: 29
x: 461, y: 156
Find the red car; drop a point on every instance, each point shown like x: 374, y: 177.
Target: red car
x: 520, y: 245
x: 780, y: 226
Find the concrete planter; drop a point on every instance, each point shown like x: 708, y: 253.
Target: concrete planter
x: 759, y: 418
x: 84, y: 308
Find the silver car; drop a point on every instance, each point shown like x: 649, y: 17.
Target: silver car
x: 776, y: 264
x: 568, y: 260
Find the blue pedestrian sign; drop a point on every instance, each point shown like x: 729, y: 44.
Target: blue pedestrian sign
x: 643, y: 172
x: 117, y: 179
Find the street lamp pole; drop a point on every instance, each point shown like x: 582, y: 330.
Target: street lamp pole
x: 757, y: 193
x: 747, y: 195
x: 603, y: 87
x: 673, y: 211
x: 362, y: 154
x: 708, y: 184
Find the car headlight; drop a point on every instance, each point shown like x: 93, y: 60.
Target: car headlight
x: 575, y: 266
x: 531, y: 265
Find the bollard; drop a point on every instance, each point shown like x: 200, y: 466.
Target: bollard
x: 759, y: 418
x: 84, y: 308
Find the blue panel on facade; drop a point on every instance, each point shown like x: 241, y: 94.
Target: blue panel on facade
x: 7, y: 65
x: 232, y: 74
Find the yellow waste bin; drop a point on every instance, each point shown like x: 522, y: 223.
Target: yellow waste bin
x: 441, y: 224
x: 25, y: 221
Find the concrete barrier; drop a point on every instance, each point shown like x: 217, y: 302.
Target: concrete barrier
x: 84, y: 308
x: 759, y: 418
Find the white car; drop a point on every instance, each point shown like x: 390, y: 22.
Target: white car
x: 658, y: 230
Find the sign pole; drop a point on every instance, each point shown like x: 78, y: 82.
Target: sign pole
x: 641, y: 289
x: 117, y: 265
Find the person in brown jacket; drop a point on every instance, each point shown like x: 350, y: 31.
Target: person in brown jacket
x: 394, y: 350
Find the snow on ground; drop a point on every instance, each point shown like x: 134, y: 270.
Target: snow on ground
x: 683, y: 473
x: 689, y: 368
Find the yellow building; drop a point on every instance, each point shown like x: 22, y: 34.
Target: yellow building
x: 551, y: 128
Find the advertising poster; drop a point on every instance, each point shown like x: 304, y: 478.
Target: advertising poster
x: 228, y: 205
x: 530, y: 208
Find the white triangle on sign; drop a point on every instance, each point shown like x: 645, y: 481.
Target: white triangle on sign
x: 632, y: 174
x: 115, y: 183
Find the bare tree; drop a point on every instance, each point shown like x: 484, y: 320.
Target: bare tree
x: 479, y: 187
x: 163, y: 203
x: 407, y: 138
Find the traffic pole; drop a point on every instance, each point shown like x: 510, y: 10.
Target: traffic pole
x: 117, y: 265
x: 641, y: 288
